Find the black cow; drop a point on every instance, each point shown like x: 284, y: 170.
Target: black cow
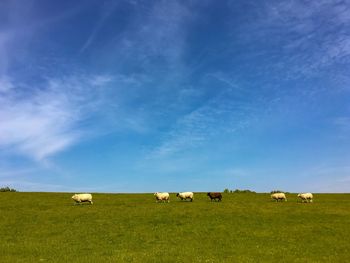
x: 215, y: 196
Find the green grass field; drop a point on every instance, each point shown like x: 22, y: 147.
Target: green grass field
x: 48, y: 227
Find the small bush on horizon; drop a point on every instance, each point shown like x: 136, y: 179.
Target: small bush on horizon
x: 7, y: 189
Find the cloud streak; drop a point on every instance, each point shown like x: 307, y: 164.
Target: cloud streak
x: 46, y: 122
x: 106, y: 11
x: 230, y: 110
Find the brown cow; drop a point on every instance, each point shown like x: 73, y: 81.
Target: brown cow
x: 215, y: 196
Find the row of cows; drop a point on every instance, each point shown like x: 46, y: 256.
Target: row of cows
x: 305, y: 197
x: 164, y: 197
x: 186, y: 195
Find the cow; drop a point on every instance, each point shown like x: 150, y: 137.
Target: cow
x: 214, y: 196
x: 279, y: 197
x: 185, y: 195
x: 307, y: 197
x: 162, y: 197
x: 80, y: 198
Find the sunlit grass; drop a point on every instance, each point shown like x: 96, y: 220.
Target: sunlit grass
x: 48, y: 227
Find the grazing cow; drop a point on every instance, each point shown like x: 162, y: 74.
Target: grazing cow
x: 162, y: 197
x: 279, y: 197
x: 185, y: 195
x: 307, y: 197
x: 214, y: 196
x: 80, y: 198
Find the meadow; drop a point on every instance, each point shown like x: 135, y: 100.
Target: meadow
x: 48, y: 227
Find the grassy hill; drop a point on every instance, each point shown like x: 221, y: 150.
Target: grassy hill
x: 48, y: 227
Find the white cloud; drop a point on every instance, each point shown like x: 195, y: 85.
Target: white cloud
x: 45, y: 122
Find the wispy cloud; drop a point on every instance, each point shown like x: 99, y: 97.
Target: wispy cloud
x: 46, y: 121
x: 37, y: 120
x: 155, y: 36
x: 106, y: 10
x: 300, y: 39
x: 225, y: 112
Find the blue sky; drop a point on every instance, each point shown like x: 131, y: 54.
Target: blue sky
x: 144, y: 96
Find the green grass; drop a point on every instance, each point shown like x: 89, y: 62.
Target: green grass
x: 47, y: 227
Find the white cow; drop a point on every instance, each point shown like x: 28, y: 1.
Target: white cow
x: 279, y: 197
x: 162, y: 197
x: 80, y: 198
x: 307, y: 197
x: 185, y: 195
